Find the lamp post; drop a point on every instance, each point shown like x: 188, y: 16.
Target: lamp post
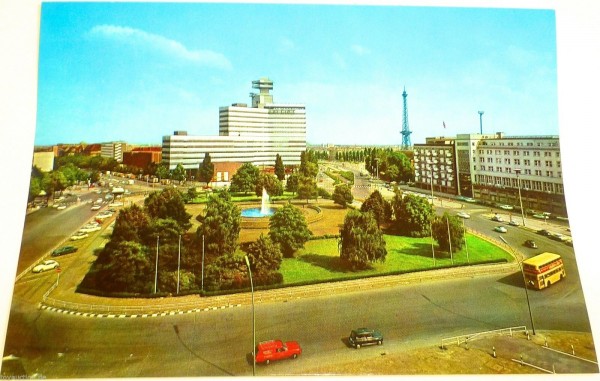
x: 156, y: 265
x: 524, y: 283
x: 518, y: 171
x: 480, y: 121
x: 253, y: 318
x: 202, y: 262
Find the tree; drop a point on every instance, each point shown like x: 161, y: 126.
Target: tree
x: 279, y: 168
x: 413, y: 214
x: 132, y: 224
x: 270, y: 183
x: 162, y: 171
x: 362, y: 241
x: 245, y: 178
x: 342, y: 195
x: 378, y: 206
x: 168, y: 203
x: 289, y: 229
x: 308, y: 165
x: 264, y: 255
x: 307, y: 188
x: 220, y: 225
x: 179, y: 173
x: 125, y: 267
x: 206, y: 169
x: 442, y: 226
x: 291, y: 184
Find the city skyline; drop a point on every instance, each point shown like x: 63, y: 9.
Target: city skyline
x: 138, y: 71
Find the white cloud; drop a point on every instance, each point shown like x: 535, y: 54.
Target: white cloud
x: 162, y: 44
x: 360, y: 50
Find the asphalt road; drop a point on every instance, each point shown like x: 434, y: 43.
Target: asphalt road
x: 217, y: 343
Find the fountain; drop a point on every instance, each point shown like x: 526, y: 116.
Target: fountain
x: 264, y: 211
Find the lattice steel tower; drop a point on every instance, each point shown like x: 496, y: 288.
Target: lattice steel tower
x: 405, y: 131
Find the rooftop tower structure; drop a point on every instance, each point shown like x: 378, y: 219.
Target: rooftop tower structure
x: 405, y: 130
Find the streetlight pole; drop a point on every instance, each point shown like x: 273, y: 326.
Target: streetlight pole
x: 178, y: 263
x: 156, y: 265
x: 202, y: 262
x: 518, y: 171
x: 524, y: 283
x: 253, y: 318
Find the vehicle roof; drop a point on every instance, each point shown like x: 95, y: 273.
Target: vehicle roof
x: 541, y: 259
x: 269, y: 344
x: 363, y: 330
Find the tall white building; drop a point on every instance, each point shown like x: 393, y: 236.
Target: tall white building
x: 254, y: 134
x: 492, y: 167
x: 113, y: 150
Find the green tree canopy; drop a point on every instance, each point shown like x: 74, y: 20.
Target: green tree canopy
x: 221, y: 225
x: 168, y: 203
x: 413, y: 215
x: 376, y: 204
x: 362, y: 241
x: 270, y: 183
x: 206, y: 169
x: 264, y: 255
x: 132, y: 224
x: 179, y: 173
x: 245, y: 179
x: 307, y: 188
x: 447, y: 224
x: 279, y: 168
x: 342, y: 195
x: 291, y: 184
x: 289, y: 229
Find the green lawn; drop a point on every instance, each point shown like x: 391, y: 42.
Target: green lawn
x: 319, y: 260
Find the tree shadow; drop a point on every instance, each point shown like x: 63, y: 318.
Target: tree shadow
x: 421, y: 250
x: 333, y: 264
x: 176, y: 329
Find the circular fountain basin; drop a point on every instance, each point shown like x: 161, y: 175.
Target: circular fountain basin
x: 257, y: 212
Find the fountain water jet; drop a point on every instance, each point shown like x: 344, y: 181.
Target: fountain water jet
x: 264, y: 205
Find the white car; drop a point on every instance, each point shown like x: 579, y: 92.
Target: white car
x: 79, y: 235
x: 500, y: 229
x: 463, y: 215
x: 505, y: 207
x: 45, y: 266
x: 61, y: 207
x: 89, y: 228
x: 96, y: 207
x: 103, y: 215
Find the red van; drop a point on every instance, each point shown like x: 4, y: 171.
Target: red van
x: 267, y: 351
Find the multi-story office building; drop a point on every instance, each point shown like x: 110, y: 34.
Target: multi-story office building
x: 494, y: 168
x: 113, y: 150
x: 254, y: 134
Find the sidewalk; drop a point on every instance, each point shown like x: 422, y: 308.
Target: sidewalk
x: 64, y: 299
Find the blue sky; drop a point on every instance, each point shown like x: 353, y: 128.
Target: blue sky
x: 138, y: 71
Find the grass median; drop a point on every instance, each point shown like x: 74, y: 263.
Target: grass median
x: 320, y: 260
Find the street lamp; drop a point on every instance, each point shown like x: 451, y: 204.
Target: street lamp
x: 518, y: 171
x: 524, y: 283
x: 253, y: 318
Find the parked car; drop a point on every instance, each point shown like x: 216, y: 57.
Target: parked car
x: 500, y: 229
x: 544, y: 232
x: 557, y: 237
x: 364, y: 336
x: 46, y: 265
x: 513, y: 223
x: 89, y: 228
x: 96, y: 207
x: 267, y: 351
x: 497, y: 218
x: 531, y: 244
x: 505, y: 207
x: 79, y: 235
x: 64, y: 250
x: 463, y: 215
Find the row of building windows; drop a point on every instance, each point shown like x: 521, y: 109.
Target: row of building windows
x: 518, y: 153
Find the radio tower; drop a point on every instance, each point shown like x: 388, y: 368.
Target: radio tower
x: 405, y: 131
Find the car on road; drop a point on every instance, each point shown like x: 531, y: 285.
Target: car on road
x: 96, y: 207
x: 89, y: 228
x: 271, y: 350
x: 64, y: 250
x: 497, y: 218
x: 513, y: 223
x: 505, y: 207
x: 530, y: 243
x: 46, y: 265
x: 558, y: 237
x: 364, y: 336
x: 79, y: 235
x: 544, y: 232
x: 500, y: 229
x: 61, y: 207
x: 466, y: 199
x: 463, y: 215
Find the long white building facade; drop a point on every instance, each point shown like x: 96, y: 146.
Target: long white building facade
x: 247, y: 134
x: 492, y: 167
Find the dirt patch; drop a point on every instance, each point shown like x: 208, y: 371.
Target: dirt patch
x: 477, y: 358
